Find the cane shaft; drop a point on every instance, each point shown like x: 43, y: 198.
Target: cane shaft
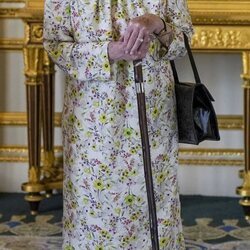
x: 146, y: 155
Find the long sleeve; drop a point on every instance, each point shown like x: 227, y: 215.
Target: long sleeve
x: 177, y: 14
x: 83, y: 61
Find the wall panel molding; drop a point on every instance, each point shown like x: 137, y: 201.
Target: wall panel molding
x: 11, y: 44
x: 206, y: 157
x: 226, y: 122
x: 19, y: 153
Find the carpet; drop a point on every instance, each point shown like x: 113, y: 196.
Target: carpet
x: 215, y: 223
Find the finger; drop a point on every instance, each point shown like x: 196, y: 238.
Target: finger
x: 133, y: 38
x: 144, y: 45
x: 142, y: 40
x: 127, y: 35
x: 143, y: 50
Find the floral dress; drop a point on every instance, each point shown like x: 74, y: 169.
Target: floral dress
x: 105, y: 201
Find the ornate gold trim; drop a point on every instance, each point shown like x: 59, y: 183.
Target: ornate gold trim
x: 230, y: 122
x: 20, y: 119
x: 34, y: 4
x: 219, y: 12
x: 222, y: 38
x: 14, y: 153
x: 13, y: 1
x: 9, y: 13
x: 190, y: 156
x: 11, y: 44
x: 201, y: 152
x: 214, y: 157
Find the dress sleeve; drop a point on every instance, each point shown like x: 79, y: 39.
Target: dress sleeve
x: 177, y: 14
x: 83, y: 61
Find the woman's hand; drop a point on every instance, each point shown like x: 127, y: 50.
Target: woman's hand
x: 135, y: 41
x: 117, y: 51
x: 139, y: 33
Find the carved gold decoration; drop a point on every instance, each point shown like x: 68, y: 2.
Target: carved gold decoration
x: 47, y: 169
x: 36, y: 30
x: 34, y: 33
x: 48, y: 159
x: 48, y: 65
x: 34, y: 175
x: 246, y: 71
x: 244, y: 190
x: 33, y: 62
x: 221, y: 38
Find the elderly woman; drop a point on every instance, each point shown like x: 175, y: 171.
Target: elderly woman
x: 95, y: 43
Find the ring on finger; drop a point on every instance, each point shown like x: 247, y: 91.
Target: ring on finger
x: 141, y: 40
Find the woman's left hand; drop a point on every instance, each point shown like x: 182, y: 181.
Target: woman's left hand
x: 139, y: 33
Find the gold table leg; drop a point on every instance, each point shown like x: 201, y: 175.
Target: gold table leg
x: 244, y: 190
x: 39, y: 73
x: 32, y: 59
x: 52, y: 173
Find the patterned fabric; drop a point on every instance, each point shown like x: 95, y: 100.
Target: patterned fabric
x: 105, y: 202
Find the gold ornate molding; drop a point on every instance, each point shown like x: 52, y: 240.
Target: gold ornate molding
x: 190, y: 156
x: 34, y: 33
x: 211, y: 157
x: 13, y: 1
x: 20, y: 119
x: 34, y: 4
x: 218, y: 12
x: 246, y: 71
x: 33, y: 58
x: 11, y: 44
x: 11, y: 8
x: 229, y: 122
x: 221, y: 38
x: 9, y: 13
x: 14, y: 153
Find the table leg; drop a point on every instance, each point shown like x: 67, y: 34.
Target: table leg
x: 52, y: 173
x: 244, y: 190
x: 32, y: 59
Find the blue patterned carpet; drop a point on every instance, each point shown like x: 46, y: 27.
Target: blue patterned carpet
x: 214, y: 223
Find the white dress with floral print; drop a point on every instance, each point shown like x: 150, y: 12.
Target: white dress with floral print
x: 105, y: 202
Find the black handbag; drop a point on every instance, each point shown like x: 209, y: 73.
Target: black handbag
x: 196, y: 116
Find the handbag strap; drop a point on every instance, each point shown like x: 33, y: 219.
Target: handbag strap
x: 191, y: 59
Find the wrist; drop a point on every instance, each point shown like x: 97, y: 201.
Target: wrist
x: 115, y: 51
x: 161, y: 26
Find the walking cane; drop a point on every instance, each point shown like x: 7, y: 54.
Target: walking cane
x: 146, y: 153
